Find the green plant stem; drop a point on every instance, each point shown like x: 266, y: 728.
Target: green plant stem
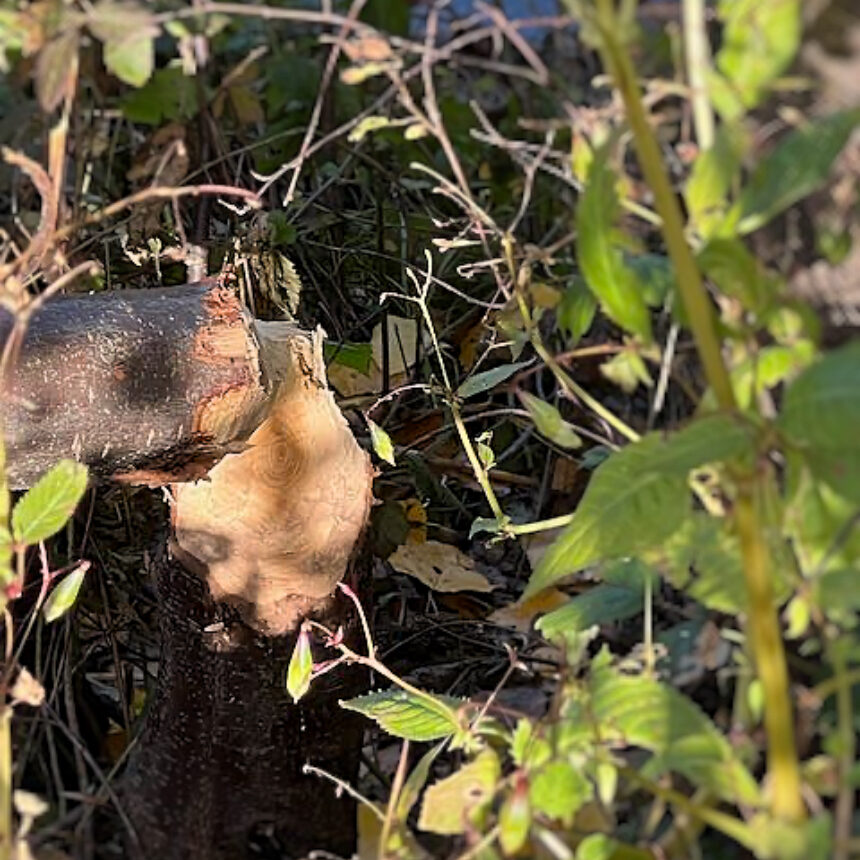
x: 765, y: 634
x: 539, y: 525
x: 733, y: 827
x: 844, y: 812
x: 698, y: 59
x: 5, y: 782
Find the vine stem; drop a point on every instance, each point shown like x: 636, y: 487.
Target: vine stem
x: 786, y: 800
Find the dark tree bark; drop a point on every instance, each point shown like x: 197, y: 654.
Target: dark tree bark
x: 154, y: 387
x: 221, y: 755
x: 151, y: 386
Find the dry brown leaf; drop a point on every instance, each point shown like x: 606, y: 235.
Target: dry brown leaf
x: 521, y: 615
x: 402, y: 341
x: 440, y: 566
x: 27, y: 689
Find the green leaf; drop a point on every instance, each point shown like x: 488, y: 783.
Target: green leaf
x: 488, y: 379
x: 704, y: 559
x: 821, y: 408
x: 416, y: 781
x: 638, y: 497
x: 301, y: 667
x: 169, y: 95
x: 355, y: 355
x: 64, y: 595
x: 613, y: 282
x: 367, y: 125
x: 549, y: 422
x: 627, y: 370
x: 575, y: 312
x: 515, y: 819
x: 404, y: 715
x: 641, y: 712
x: 601, y: 604
x: 44, y: 509
x: 759, y: 40
x: 738, y: 274
x: 381, y: 441
x: 711, y: 177
x: 798, y: 166
x: 558, y: 790
x: 131, y: 60
x: 452, y: 804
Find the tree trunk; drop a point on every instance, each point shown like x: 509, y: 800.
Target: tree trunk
x: 154, y: 387
x: 220, y: 759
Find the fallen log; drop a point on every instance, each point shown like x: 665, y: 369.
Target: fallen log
x: 270, y: 495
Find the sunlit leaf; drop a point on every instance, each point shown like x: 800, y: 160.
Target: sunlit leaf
x: 367, y: 125
x: 44, y: 509
x: 404, y: 715
x: 515, y: 818
x: 759, y: 40
x: 613, y: 282
x: 711, y: 176
x: 642, y: 712
x: 132, y: 59
x: 64, y: 595
x: 451, y: 804
x: 439, y: 566
x: 638, y: 497
x: 381, y: 441
x: 301, y: 667
x: 559, y: 789
x: 627, y: 370
x: 549, y: 422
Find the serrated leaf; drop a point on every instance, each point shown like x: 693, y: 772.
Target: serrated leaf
x: 613, y: 282
x: 549, y: 422
x: 642, y: 712
x: 488, y: 379
x: 405, y: 715
x: 44, y: 509
x: 452, y: 804
x: 381, y: 441
x: 55, y: 65
x: 639, y: 497
x: 301, y: 667
x: 798, y: 166
x: 558, y: 790
x: 64, y: 595
x: 821, y: 408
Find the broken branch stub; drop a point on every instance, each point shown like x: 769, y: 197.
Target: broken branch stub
x: 145, y: 386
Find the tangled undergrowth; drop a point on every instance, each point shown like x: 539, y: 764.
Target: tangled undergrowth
x: 585, y: 280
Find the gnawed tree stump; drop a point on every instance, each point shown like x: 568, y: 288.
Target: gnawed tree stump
x: 154, y: 387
